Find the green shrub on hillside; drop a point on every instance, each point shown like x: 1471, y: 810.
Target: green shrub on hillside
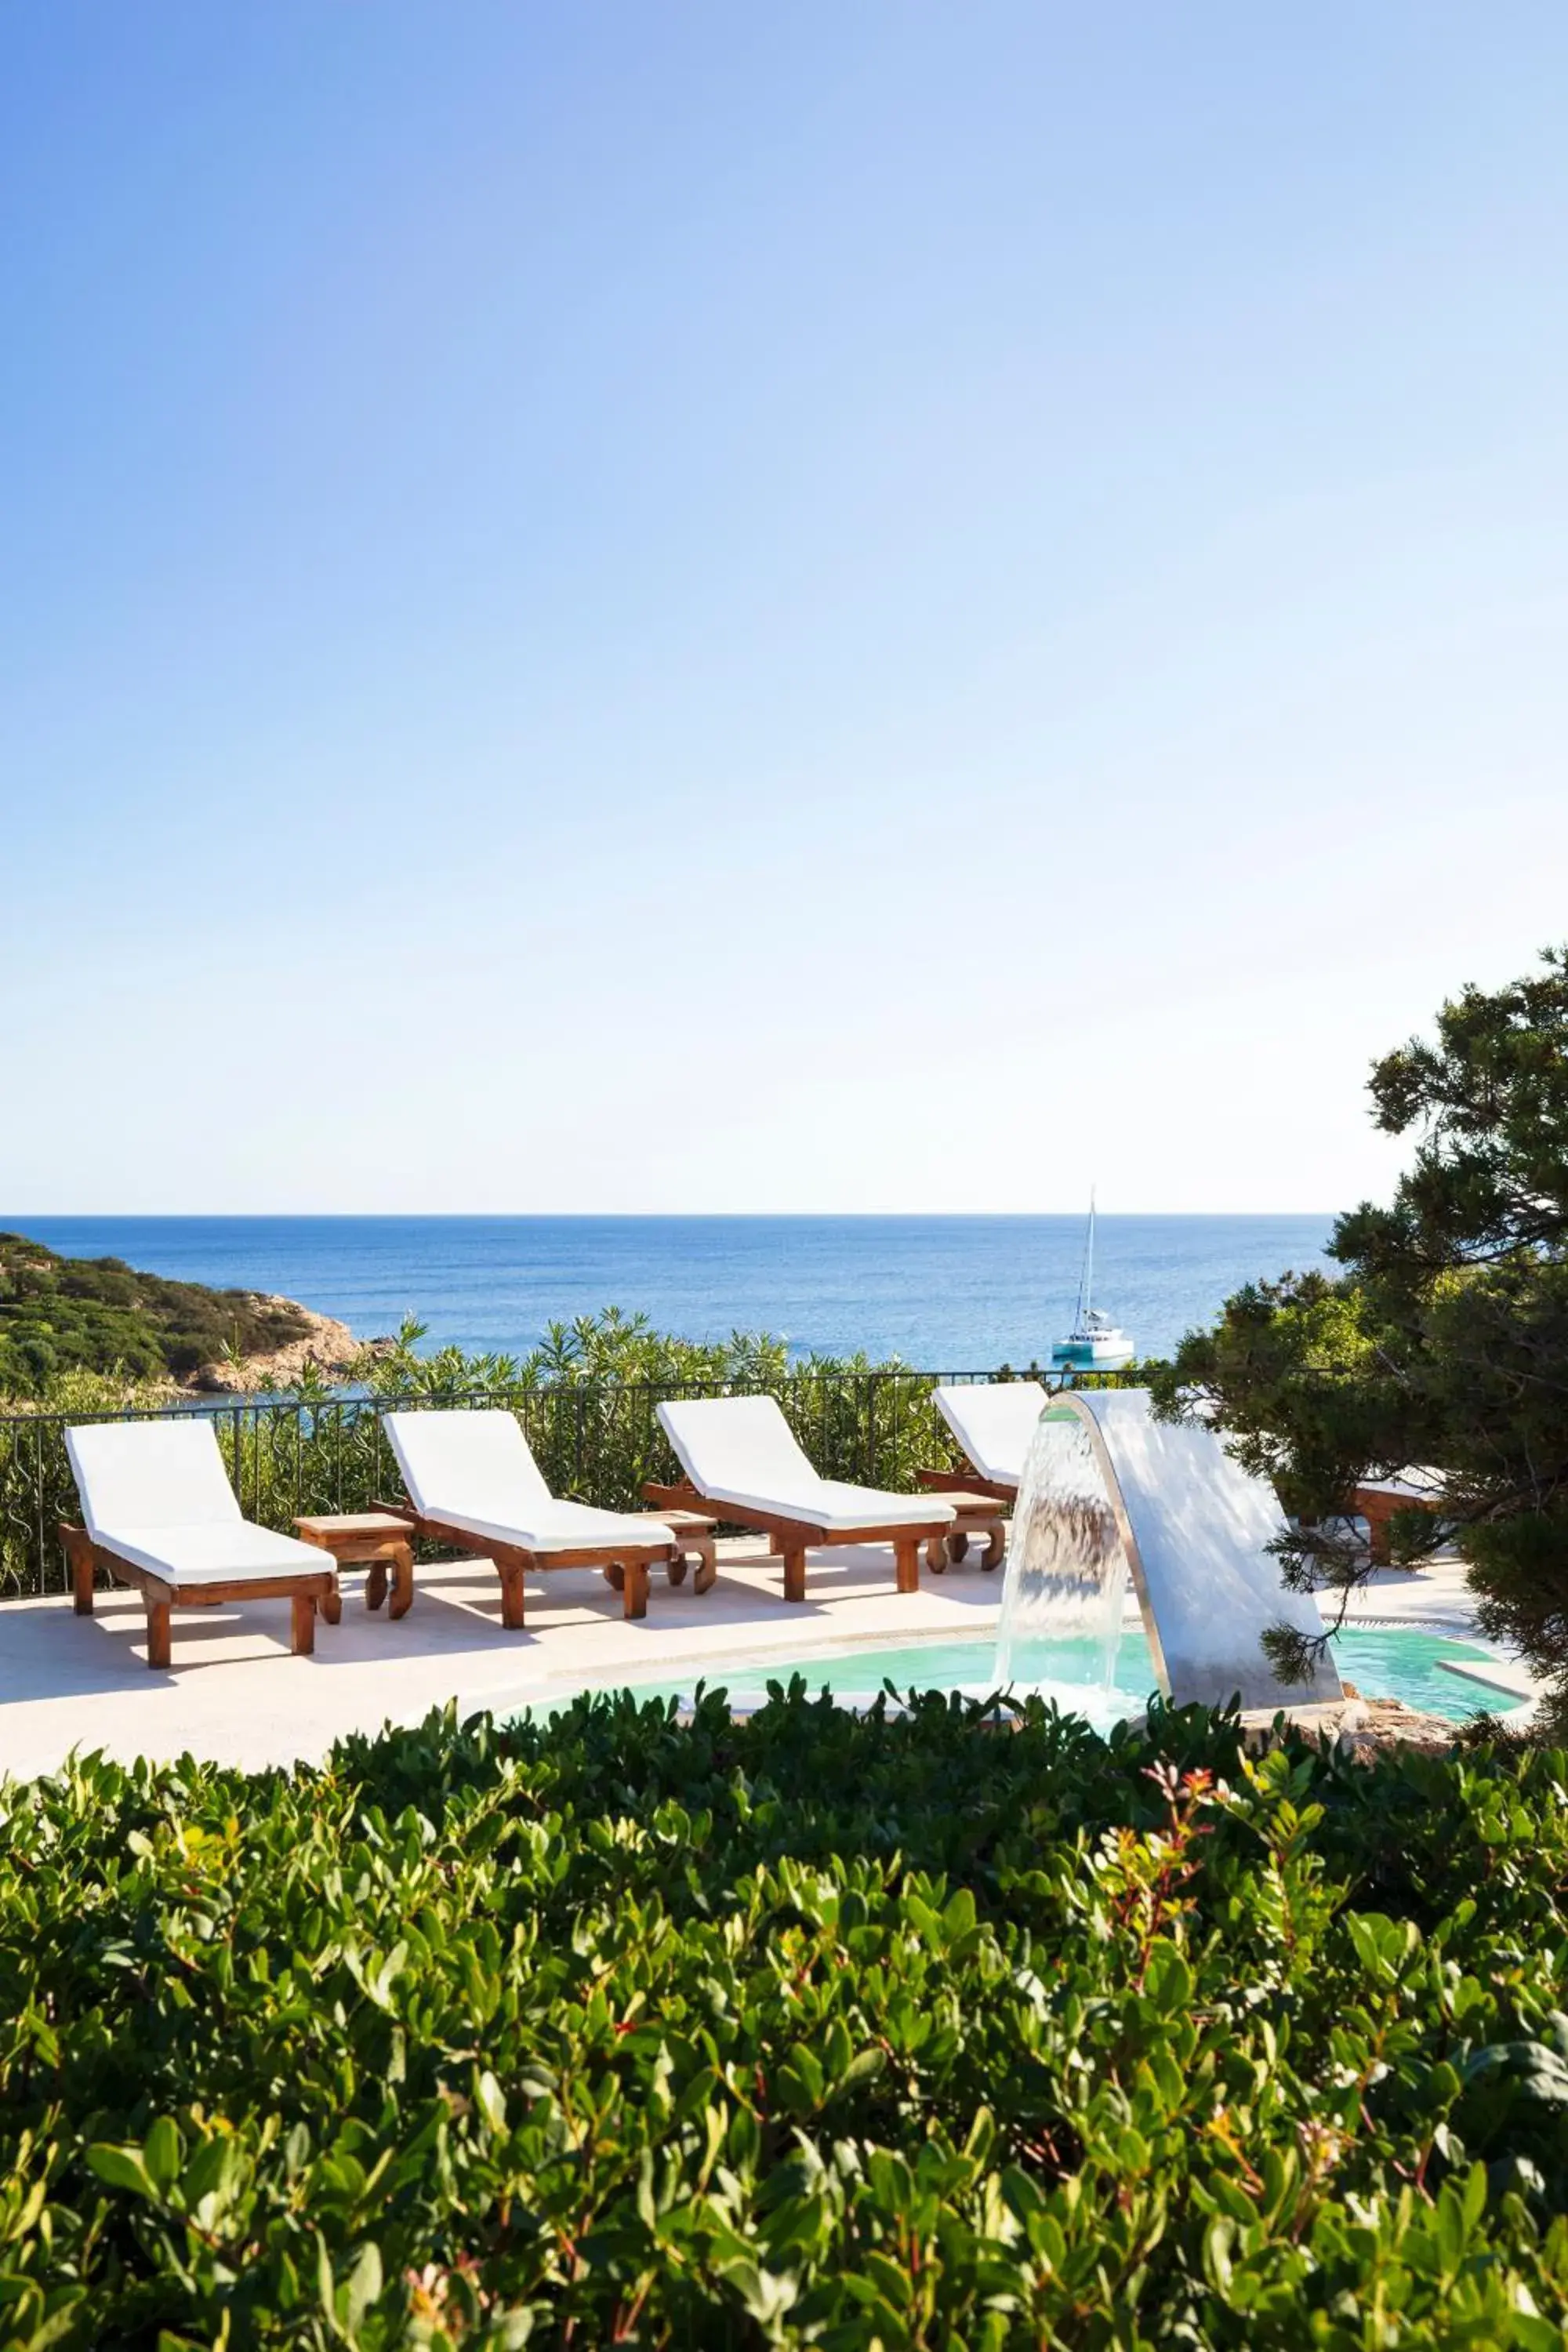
x: 815, y: 2030
x: 59, y: 1315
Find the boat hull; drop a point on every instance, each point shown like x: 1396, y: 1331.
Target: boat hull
x: 1093, y: 1355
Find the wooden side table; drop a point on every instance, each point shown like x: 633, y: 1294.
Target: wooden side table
x: 977, y: 1515
x: 374, y: 1539
x: 694, y: 1533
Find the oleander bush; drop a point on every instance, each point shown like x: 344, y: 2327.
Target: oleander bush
x: 812, y: 2030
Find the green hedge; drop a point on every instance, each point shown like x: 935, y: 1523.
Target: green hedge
x: 812, y: 2030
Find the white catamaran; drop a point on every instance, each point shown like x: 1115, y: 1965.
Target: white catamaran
x: 1094, y: 1344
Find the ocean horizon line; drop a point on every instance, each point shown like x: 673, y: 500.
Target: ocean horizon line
x: 635, y: 1216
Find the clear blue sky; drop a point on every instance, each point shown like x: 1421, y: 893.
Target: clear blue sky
x: 699, y: 607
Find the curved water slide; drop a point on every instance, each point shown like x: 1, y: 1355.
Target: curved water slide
x: 1107, y: 1492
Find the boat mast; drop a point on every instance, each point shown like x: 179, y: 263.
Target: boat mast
x: 1086, y: 1280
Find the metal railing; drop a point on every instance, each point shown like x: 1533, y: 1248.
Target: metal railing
x: 596, y: 1441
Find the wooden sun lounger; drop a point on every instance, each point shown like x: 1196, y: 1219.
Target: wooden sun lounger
x: 309, y: 1589
x: 994, y: 1423
x: 512, y: 1562
x: 792, y: 1538
x: 162, y: 1517
x: 447, y: 1456
x: 743, y: 1463
x: 967, y: 1482
x: 1379, y: 1502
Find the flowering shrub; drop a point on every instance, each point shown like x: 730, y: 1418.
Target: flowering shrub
x: 817, y: 2029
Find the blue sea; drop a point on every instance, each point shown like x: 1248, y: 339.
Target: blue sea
x: 945, y: 1294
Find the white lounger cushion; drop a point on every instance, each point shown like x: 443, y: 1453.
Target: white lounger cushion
x: 559, y: 1525
x: 1419, y: 1483
x: 742, y: 1450
x: 210, y: 1554
x: 843, y: 1505
x: 477, y: 1470
x: 156, y: 1493
x: 993, y: 1421
x: 150, y: 1474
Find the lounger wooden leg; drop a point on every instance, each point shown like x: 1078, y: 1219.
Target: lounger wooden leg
x: 511, y: 1615
x: 402, y: 1580
x: 906, y: 1556
x: 707, y: 1552
x: 303, y: 1606
x: 78, y: 1552
x: 1380, y: 1537
x: 634, y: 1590
x: 794, y: 1573
x: 375, y: 1584
x: 158, y: 1633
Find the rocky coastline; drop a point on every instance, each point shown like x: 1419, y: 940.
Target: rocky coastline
x: 325, y: 1348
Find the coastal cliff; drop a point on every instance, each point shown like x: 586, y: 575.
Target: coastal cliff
x: 324, y: 1346
x: 62, y: 1315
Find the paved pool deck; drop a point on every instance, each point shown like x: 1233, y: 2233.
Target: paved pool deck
x: 234, y: 1694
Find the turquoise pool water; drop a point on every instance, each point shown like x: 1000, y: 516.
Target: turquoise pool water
x: 1382, y: 1662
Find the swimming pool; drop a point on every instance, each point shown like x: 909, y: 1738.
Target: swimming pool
x: 1383, y: 1661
